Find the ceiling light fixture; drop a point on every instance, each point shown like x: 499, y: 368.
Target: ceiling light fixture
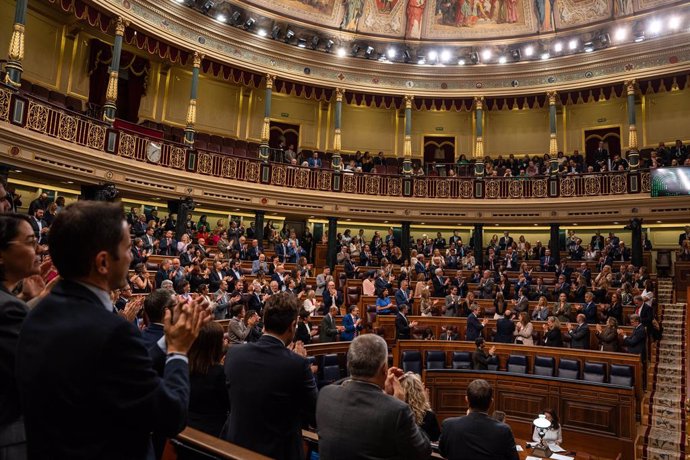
x: 474, y: 57
x: 558, y: 47
x: 235, y: 18
x: 515, y: 54
x: 445, y: 56
x: 355, y: 49
x: 314, y: 42
x: 545, y: 56
x: 654, y: 27
x: 262, y: 32
x: 502, y: 60
x: 674, y: 22
x: 275, y: 32
x: 368, y: 51
x: 432, y: 55
x: 621, y: 34
x: 589, y: 47
x: 391, y: 52
x: 341, y: 52
x: 529, y: 51
x: 220, y: 17
x: 289, y: 35
x: 639, y: 36
x: 486, y: 55
x: 572, y: 44
x: 461, y: 62
x: 249, y: 23
x: 301, y: 43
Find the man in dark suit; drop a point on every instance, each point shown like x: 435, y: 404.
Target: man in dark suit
x: 589, y: 309
x: 365, y: 416
x: 505, y: 328
x: 636, y: 342
x: 477, y: 436
x: 420, y: 266
x: 548, y: 264
x: 486, y: 286
x: 684, y: 236
x: 480, y: 357
x: 351, y: 271
x: 403, y: 325
x: 332, y: 297
x: 601, y: 157
x: 511, y: 260
x: 440, y: 283
x: 87, y: 383
x: 621, y: 253
x: 168, y: 245
x: 597, y: 241
x: 474, y: 326
x: 272, y: 388
x: 402, y: 295
x: 645, y: 312
x: 328, y: 330
x: 506, y: 241
x: 155, y: 306
x: 579, y: 335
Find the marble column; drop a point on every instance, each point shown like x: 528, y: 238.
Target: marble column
x: 479, y: 128
x: 191, y: 109
x: 264, y: 149
x: 633, y: 155
x: 14, y: 68
x: 336, y: 160
x: 407, y: 143
x: 110, y: 107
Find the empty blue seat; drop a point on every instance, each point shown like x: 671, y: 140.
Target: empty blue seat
x: 412, y: 361
x: 594, y: 372
x: 493, y: 363
x: 330, y: 369
x: 568, y: 368
x: 621, y: 375
x: 462, y: 360
x: 517, y: 364
x: 435, y: 360
x: 544, y: 365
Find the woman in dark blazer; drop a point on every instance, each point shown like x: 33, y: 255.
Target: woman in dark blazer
x: 209, y: 403
x: 303, y: 332
x: 552, y: 332
x: 615, y: 308
x: 608, y: 336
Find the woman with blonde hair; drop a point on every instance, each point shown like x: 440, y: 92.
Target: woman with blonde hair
x: 416, y: 398
x: 311, y: 305
x: 421, y: 285
x: 523, y: 330
x: 427, y: 306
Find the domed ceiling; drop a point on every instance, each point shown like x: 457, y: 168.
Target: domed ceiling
x: 453, y: 20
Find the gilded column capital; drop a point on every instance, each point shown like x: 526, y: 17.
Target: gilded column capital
x: 120, y: 26
x: 408, y: 101
x: 479, y: 102
x: 630, y: 86
x: 196, y: 63
x: 270, y: 79
x: 552, y: 97
x: 339, y: 93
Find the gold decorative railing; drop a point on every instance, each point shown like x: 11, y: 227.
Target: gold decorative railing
x: 39, y: 116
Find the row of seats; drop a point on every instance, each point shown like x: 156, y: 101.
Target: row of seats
x: 53, y: 97
x: 519, y: 364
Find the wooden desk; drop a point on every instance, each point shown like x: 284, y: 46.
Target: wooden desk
x: 681, y: 283
x: 435, y: 323
x: 503, y: 351
x: 599, y: 417
x: 211, y: 446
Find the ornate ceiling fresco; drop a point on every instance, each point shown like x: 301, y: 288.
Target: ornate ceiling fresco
x: 454, y: 19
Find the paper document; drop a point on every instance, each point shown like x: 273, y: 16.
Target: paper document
x: 561, y: 457
x: 518, y: 447
x: 555, y: 448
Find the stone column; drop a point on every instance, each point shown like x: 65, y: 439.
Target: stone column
x: 407, y: 144
x: 264, y: 149
x: 479, y: 115
x: 13, y: 77
x: 110, y: 107
x: 405, y: 243
x: 191, y: 109
x: 633, y: 154
x: 336, y: 160
x: 478, y: 244
x: 554, y: 244
x: 332, y: 242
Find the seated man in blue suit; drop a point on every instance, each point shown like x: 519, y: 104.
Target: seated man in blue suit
x: 352, y: 324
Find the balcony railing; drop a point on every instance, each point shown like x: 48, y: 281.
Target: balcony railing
x: 37, y: 115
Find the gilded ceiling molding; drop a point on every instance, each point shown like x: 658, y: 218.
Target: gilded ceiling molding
x: 182, y: 27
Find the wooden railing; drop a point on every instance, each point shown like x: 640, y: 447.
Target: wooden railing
x: 27, y: 112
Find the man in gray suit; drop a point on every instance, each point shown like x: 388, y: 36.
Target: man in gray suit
x: 365, y: 416
x: 328, y: 330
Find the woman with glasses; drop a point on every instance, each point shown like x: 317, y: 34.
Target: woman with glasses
x: 17, y: 262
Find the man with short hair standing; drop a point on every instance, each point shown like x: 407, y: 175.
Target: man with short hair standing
x: 87, y: 382
x: 477, y: 436
x: 365, y: 416
x: 271, y: 386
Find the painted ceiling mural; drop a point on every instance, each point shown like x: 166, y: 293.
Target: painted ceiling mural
x: 455, y: 19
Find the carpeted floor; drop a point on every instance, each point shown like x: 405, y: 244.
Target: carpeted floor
x: 665, y: 437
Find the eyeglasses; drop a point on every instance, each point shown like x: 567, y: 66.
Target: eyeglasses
x: 32, y: 241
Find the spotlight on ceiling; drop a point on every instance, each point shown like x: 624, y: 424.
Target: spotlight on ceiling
x: 235, y: 18
x: 461, y: 62
x: 515, y: 54
x: 275, y: 32
x: 486, y: 55
x: 421, y: 60
x: 391, y: 53
x: 674, y: 22
x: 301, y: 42
x: 588, y: 47
x: 545, y: 56
x: 572, y: 44
x: 474, y: 57
x: 558, y: 47
x: 654, y: 27
x: 329, y: 45
x: 445, y: 56
x: 432, y: 55
x: 355, y: 49
x: 289, y: 35
x: 407, y: 57
x: 314, y: 42
x: 207, y: 5
x: 220, y: 17
x: 529, y: 51
x: 249, y: 23
x: 341, y: 52
x: 639, y: 36
x: 262, y: 32
x: 604, y: 39
x: 368, y: 51
x: 621, y: 34
x: 502, y: 60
